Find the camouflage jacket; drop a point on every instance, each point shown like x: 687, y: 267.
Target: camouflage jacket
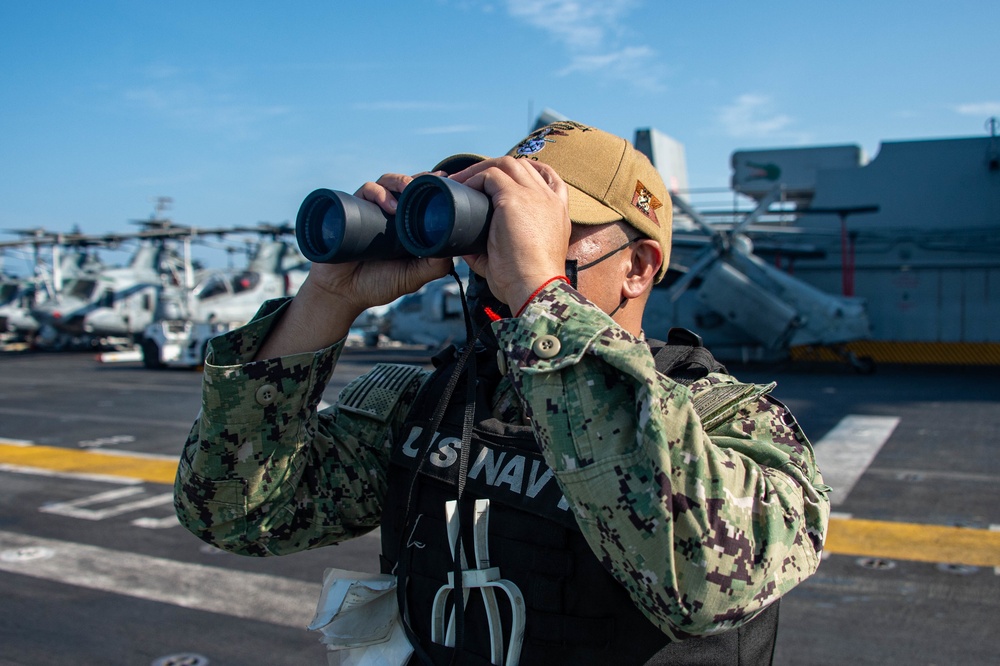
x: 704, y: 501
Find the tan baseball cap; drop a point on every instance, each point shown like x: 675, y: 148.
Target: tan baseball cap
x: 459, y: 162
x: 608, y: 179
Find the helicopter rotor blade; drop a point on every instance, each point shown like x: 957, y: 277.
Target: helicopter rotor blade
x: 708, y: 257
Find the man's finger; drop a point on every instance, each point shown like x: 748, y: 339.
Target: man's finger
x: 380, y: 192
x: 548, y: 176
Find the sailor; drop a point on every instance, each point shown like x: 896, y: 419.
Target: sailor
x: 613, y: 498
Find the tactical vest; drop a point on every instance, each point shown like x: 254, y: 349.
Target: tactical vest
x: 576, y: 612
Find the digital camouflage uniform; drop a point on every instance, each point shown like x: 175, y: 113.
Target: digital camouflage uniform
x: 704, y: 501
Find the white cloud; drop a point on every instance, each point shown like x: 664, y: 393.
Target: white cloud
x: 624, y: 61
x: 754, y: 116
x: 575, y: 23
x: 591, y: 33
x: 978, y: 109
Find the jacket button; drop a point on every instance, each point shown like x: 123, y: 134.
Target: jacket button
x: 266, y: 394
x: 546, y: 346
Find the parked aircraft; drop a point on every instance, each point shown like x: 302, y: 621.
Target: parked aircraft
x: 17, y: 295
x: 275, y: 269
x: 744, y: 308
x: 115, y: 304
x: 87, y: 305
x: 50, y: 274
x: 431, y: 316
x: 222, y: 300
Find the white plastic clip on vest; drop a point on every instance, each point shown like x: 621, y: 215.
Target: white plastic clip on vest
x: 485, y: 578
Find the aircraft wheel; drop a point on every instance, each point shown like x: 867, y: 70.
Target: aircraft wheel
x: 150, y: 354
x: 863, y: 365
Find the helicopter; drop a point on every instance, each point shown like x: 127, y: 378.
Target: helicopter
x: 67, y: 262
x: 224, y: 299
x: 431, y: 316
x: 16, y: 297
x: 275, y: 269
x: 92, y: 310
x: 88, y: 305
x: 744, y: 308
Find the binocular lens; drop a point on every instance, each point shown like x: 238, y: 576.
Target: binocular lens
x: 320, y: 225
x: 433, y: 219
x: 439, y: 217
x: 331, y: 230
x: 334, y: 227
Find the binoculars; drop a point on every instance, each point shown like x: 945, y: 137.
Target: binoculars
x: 435, y: 217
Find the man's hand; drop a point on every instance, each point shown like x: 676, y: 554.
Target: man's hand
x: 530, y: 229
x: 358, y: 286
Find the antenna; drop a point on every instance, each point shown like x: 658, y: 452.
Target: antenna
x: 161, y: 204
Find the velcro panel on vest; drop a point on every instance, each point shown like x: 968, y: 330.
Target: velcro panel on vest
x: 718, y: 403
x: 376, y: 393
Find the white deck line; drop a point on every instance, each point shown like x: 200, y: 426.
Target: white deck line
x: 845, y: 452
x: 252, y: 596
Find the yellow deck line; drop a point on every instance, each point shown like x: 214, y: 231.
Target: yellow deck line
x: 847, y: 536
x: 913, y: 541
x: 68, y: 461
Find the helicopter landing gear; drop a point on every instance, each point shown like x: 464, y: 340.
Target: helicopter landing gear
x: 863, y: 365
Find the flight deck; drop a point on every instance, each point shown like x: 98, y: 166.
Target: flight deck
x: 97, y: 570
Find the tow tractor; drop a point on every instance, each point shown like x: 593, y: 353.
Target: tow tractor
x: 179, y: 343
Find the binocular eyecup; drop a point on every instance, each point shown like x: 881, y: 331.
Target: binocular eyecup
x: 435, y: 217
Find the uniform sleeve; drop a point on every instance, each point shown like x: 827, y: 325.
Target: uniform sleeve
x: 704, y: 522
x: 262, y: 471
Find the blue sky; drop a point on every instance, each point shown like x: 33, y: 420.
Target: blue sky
x: 237, y: 110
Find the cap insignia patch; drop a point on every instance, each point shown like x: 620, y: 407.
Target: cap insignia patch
x: 535, y: 143
x: 537, y: 140
x: 647, y: 204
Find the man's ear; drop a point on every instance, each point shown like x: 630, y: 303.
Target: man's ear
x: 646, y: 261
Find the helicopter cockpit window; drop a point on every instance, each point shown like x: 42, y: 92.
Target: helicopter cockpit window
x: 213, y: 286
x: 107, y: 299
x: 82, y: 289
x: 7, y: 292
x: 245, y: 281
x: 26, y: 297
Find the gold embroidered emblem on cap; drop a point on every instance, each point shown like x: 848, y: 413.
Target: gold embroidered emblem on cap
x: 644, y: 200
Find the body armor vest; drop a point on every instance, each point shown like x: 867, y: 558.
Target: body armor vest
x: 576, y: 612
